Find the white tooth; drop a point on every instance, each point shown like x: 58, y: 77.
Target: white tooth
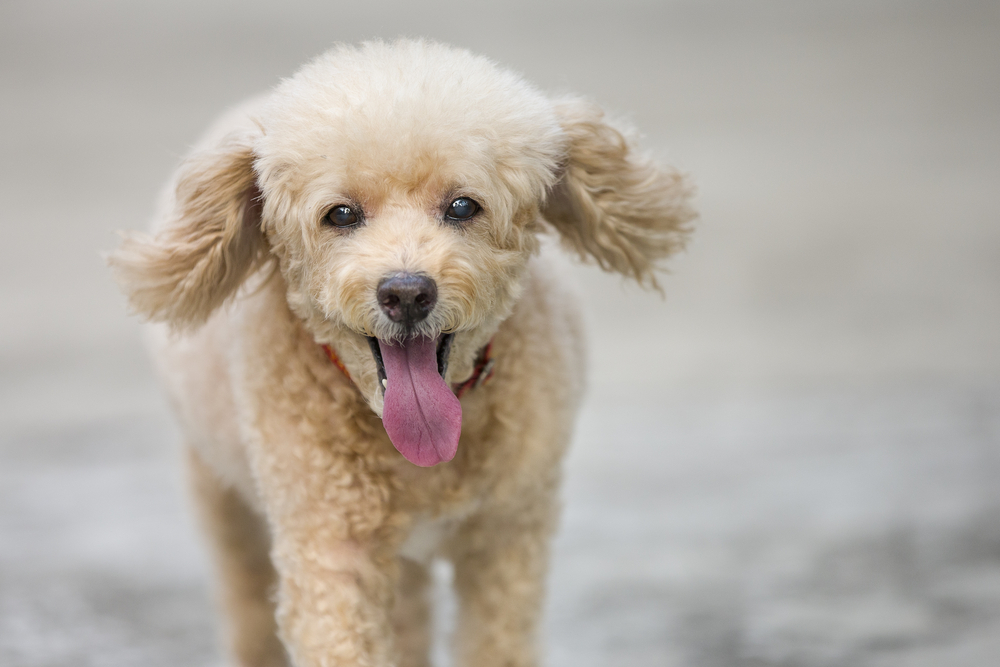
x: 385, y: 383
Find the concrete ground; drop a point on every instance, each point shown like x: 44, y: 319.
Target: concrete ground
x: 791, y: 461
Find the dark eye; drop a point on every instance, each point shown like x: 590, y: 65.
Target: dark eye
x: 462, y: 208
x: 342, y: 216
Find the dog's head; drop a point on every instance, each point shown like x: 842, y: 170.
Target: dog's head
x: 400, y: 189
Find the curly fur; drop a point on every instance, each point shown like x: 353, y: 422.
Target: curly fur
x: 300, y: 489
x: 206, y: 249
x: 613, y: 203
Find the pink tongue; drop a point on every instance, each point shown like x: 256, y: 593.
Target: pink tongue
x: 421, y: 414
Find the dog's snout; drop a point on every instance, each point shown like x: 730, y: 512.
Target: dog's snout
x: 407, y: 298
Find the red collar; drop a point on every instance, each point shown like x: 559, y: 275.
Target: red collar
x: 481, y: 372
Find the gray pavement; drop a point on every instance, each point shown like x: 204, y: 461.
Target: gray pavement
x: 791, y: 461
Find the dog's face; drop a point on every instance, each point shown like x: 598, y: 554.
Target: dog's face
x: 401, y: 199
x: 401, y: 188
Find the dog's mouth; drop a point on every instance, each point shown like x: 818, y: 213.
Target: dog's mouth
x: 420, y: 412
x: 443, y: 354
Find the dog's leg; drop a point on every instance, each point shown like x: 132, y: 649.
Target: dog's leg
x: 334, y: 550
x: 240, y: 542
x: 411, y: 615
x: 335, y: 591
x: 500, y: 564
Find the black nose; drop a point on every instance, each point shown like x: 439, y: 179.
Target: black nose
x: 407, y: 298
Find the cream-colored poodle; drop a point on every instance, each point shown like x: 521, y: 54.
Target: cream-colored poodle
x: 372, y: 362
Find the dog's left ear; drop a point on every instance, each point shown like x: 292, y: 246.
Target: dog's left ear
x: 210, y: 242
x: 613, y: 203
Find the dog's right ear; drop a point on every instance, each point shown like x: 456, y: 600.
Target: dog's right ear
x: 209, y: 244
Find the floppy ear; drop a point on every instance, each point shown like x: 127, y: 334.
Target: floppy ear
x: 612, y: 203
x: 209, y: 243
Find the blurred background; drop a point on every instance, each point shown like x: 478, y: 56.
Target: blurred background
x: 791, y: 460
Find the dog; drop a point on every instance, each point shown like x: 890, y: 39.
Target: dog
x: 372, y: 359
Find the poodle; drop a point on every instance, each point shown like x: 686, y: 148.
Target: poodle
x: 372, y: 360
